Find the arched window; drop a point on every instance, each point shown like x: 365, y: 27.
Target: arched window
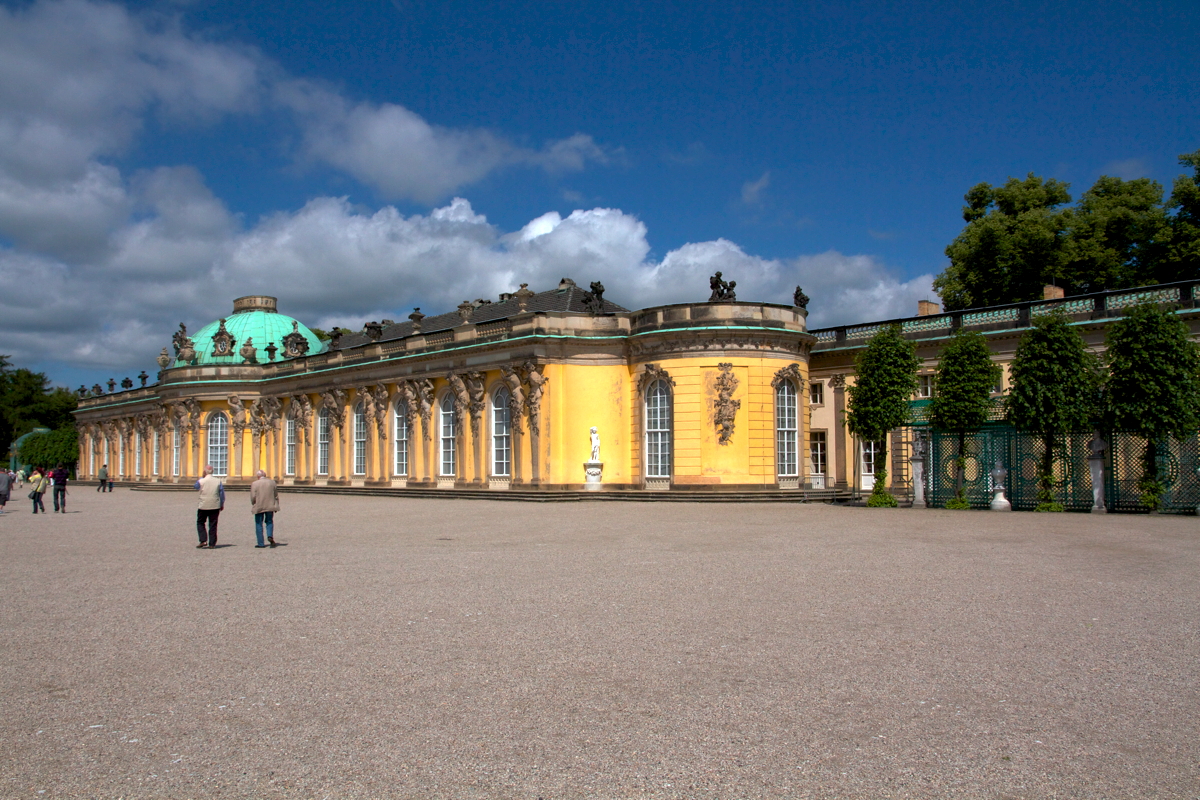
x: 218, y: 443
x: 400, y: 439
x: 658, y: 430
x: 323, y: 442
x: 501, y: 434
x: 447, y: 428
x: 289, y: 440
x: 786, y: 431
x: 360, y: 440
x: 176, y: 450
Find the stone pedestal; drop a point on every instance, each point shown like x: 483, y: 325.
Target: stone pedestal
x: 1096, y: 466
x: 999, y: 501
x: 918, y: 477
x: 593, y: 471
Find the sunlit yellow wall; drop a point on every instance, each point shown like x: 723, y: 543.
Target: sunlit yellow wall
x: 578, y: 397
x: 749, y: 456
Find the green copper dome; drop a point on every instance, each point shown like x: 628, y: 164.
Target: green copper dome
x: 255, y: 319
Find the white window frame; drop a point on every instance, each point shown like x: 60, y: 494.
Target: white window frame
x: 868, y: 454
x: 323, y: 441
x: 121, y: 454
x: 289, y: 451
x: 176, y: 450
x: 448, y: 460
x: 659, y: 421
x: 787, y: 430
x: 925, y: 386
x: 156, y: 459
x: 360, y: 440
x: 818, y: 449
x: 816, y: 393
x: 137, y: 454
x: 399, y: 439
x: 501, y: 434
x: 218, y: 443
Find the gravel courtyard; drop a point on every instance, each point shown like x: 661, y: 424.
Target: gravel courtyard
x: 472, y: 649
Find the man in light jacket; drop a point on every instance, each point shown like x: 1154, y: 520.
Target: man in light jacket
x: 265, y: 502
x: 212, y: 503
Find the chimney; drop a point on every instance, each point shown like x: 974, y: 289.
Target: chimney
x: 927, y: 308
x: 1052, y: 293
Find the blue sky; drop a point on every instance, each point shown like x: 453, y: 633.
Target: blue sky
x: 358, y: 159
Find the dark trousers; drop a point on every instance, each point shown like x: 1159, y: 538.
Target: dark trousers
x: 37, y: 503
x: 60, y: 498
x: 210, y: 515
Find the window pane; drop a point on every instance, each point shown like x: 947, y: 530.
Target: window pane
x: 658, y: 430
x: 323, y: 442
x: 360, y: 441
x: 400, y: 440
x: 218, y: 444
x: 501, y: 435
x: 448, y: 436
x: 786, y: 462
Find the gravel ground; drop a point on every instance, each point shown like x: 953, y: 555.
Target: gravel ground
x: 471, y: 649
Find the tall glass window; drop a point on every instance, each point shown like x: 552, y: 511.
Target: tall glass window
x: 786, y: 432
x: 400, y: 439
x: 121, y: 454
x: 323, y: 442
x: 137, y: 454
x: 447, y: 428
x: 360, y: 441
x: 289, y: 455
x: 91, y: 459
x: 176, y: 450
x: 658, y: 430
x: 816, y: 447
x: 501, y: 434
x: 218, y: 443
x: 157, y: 456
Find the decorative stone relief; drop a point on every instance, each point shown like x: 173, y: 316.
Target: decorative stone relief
x: 416, y: 316
x: 406, y: 394
x: 424, y: 392
x: 789, y: 373
x: 192, y: 409
x: 725, y: 408
x: 800, y: 299
x: 837, y: 381
x: 164, y: 359
x: 595, y: 433
x: 593, y: 300
x: 461, y: 400
x: 465, y: 309
x: 237, y: 411
x: 334, y: 400
x: 516, y: 396
x: 477, y: 391
x: 381, y: 408
x: 373, y: 331
x: 721, y: 291
x: 301, y: 411
x: 295, y: 345
x: 335, y: 337
x: 222, y: 341
x: 537, y: 382
x: 249, y: 352
x: 652, y: 373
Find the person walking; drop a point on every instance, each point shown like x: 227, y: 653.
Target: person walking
x: 103, y: 476
x: 264, y: 502
x: 6, y: 482
x: 20, y: 478
x: 59, y: 479
x: 212, y: 503
x: 39, y: 481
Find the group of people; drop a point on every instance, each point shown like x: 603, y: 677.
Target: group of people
x: 264, y: 502
x: 39, y: 481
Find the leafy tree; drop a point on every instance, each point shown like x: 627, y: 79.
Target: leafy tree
x: 321, y: 334
x: 49, y: 449
x: 1114, y: 236
x: 1055, y: 383
x: 885, y: 380
x: 1181, y: 260
x: 962, y: 395
x: 1011, y: 247
x: 27, y: 401
x: 1153, y: 386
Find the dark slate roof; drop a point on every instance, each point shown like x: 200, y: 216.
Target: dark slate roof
x: 568, y: 298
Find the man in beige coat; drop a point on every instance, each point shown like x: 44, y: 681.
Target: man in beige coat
x: 265, y: 502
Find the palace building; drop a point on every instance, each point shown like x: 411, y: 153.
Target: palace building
x: 721, y: 395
